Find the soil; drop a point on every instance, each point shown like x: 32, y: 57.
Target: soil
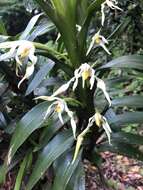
x: 120, y: 173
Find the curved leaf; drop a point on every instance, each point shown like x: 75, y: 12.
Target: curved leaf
x: 30, y: 26
x: 43, y: 27
x: 53, y: 126
x: 57, y: 146
x: 131, y: 61
x: 29, y: 123
x: 39, y: 77
x: 64, y: 172
x: 78, y: 180
x: 127, y: 138
x: 131, y: 101
x: 127, y: 118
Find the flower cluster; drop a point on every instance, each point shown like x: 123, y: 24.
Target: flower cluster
x: 85, y: 72
x: 23, y: 52
x: 98, y: 39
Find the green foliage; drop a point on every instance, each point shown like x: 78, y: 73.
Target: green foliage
x: 40, y: 141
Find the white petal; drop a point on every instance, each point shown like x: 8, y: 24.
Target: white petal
x: 8, y: 55
x: 103, y: 14
x: 90, y: 47
x: 78, y: 27
x: 104, y: 39
x: 18, y: 61
x: 105, y: 127
x: 5, y: 45
x: 76, y: 74
x: 60, y: 118
x: 83, y: 83
x: 102, y: 86
x: 58, y: 37
x: 73, y: 125
x: 91, y: 121
x: 48, y: 111
x: 62, y: 89
x: 32, y: 58
x: 47, y: 98
x: 29, y: 72
x: 92, y: 79
x: 104, y: 47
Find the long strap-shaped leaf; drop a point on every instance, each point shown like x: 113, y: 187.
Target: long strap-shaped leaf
x: 57, y: 146
x: 131, y: 61
x: 29, y: 27
x: 127, y: 118
x: 29, y: 123
x: 64, y: 171
x: 77, y: 181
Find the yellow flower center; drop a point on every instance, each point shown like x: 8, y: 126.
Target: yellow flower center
x: 98, y: 119
x: 58, y: 108
x: 97, y: 40
x: 25, y: 52
x: 86, y: 74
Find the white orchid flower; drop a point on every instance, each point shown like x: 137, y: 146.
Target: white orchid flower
x: 98, y: 40
x: 28, y: 73
x: 101, y: 121
x: 101, y: 85
x: 21, y: 50
x: 60, y: 106
x: 85, y: 71
x: 110, y: 3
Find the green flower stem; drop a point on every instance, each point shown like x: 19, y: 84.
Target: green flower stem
x: 49, y: 50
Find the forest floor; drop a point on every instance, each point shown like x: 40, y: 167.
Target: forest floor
x: 120, y: 173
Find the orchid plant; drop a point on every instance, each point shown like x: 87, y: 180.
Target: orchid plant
x: 72, y: 118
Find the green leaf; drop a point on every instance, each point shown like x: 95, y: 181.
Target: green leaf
x: 127, y: 138
x: 127, y: 118
x: 53, y: 125
x: 29, y: 123
x: 131, y: 61
x: 130, y: 101
x: 56, y: 147
x: 122, y: 148
x: 44, y: 27
x: 39, y: 77
x: 64, y: 172
x: 29, y: 27
x: 77, y: 181
x: 21, y: 173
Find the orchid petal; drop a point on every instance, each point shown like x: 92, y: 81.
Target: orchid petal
x: 60, y: 118
x: 29, y: 72
x: 102, y: 86
x: 62, y: 89
x: 104, y: 47
x: 106, y: 127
